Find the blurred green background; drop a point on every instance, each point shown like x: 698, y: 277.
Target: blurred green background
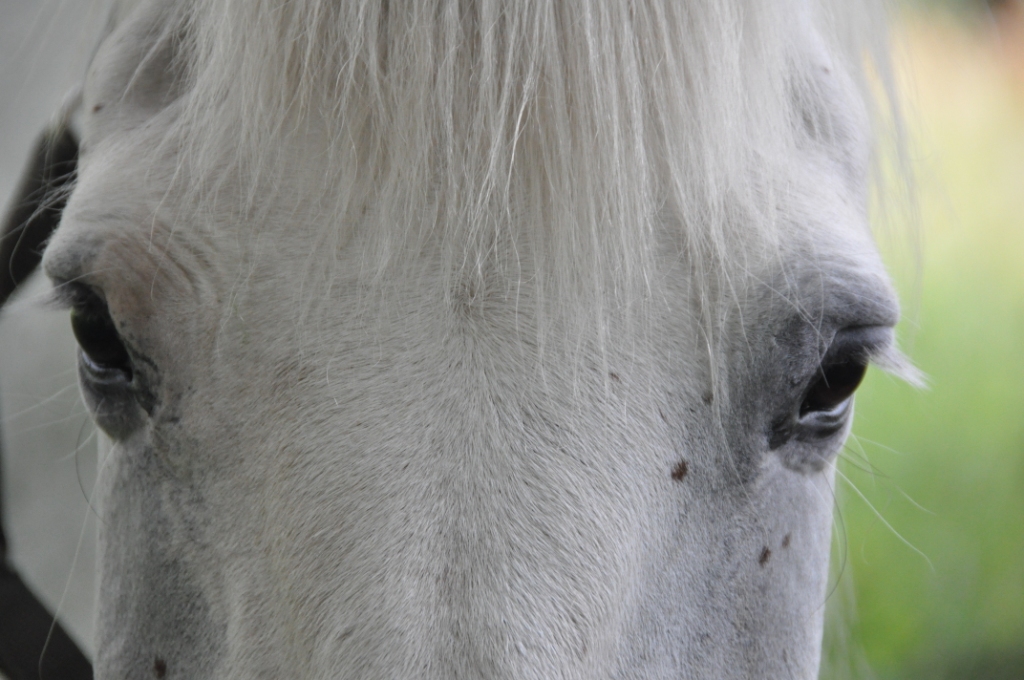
x: 929, y: 547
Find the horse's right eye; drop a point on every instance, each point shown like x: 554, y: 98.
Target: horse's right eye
x: 103, y: 352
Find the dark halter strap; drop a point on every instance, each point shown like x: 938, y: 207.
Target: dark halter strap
x: 33, y: 645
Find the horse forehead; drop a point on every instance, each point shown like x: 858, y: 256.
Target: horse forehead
x: 828, y: 257
x: 135, y: 80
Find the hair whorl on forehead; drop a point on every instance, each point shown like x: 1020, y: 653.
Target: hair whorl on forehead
x: 559, y: 132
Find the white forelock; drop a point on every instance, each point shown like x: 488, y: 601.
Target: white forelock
x: 554, y: 133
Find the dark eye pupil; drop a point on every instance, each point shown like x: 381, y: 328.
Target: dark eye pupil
x: 98, y: 338
x: 834, y: 385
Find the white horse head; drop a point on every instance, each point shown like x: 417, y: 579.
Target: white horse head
x: 471, y: 338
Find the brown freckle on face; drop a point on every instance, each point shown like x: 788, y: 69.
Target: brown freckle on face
x: 159, y: 667
x: 680, y: 470
x: 765, y: 556
x: 614, y: 376
x: 97, y: 108
x: 785, y: 541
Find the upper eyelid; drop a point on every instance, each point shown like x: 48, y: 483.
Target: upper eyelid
x: 71, y: 294
x: 868, y: 342
x: 881, y: 351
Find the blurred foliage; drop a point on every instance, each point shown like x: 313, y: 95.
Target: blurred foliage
x: 931, y: 528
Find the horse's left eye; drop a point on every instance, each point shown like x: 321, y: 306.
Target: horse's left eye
x: 835, y: 384
x: 825, y: 402
x: 103, y: 352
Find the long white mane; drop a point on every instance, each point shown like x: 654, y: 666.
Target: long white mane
x: 539, y: 136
